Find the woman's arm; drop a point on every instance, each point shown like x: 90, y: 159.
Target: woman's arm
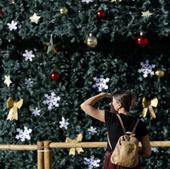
x: 145, y: 150
x: 88, y: 106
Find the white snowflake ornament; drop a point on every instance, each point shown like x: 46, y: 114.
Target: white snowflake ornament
x: 87, y: 1
x: 91, y: 162
x: 28, y: 55
x: 51, y: 100
x: 64, y: 123
x: 35, y: 111
x: 23, y: 134
x: 101, y: 83
x: 146, y: 69
x: 92, y: 130
x: 29, y: 83
x: 12, y: 25
x: 116, y: 0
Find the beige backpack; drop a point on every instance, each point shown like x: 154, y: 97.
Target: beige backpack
x: 125, y: 153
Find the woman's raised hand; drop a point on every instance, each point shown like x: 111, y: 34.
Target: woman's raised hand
x: 105, y: 94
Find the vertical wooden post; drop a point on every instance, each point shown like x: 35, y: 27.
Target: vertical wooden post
x: 40, y: 155
x: 47, y: 155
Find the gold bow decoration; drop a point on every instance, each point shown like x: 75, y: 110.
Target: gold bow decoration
x: 73, y: 150
x: 148, y: 105
x: 13, y: 106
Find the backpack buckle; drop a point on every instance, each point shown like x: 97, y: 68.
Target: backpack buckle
x: 129, y: 133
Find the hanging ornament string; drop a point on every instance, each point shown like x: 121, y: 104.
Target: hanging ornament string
x: 148, y: 105
x: 13, y: 106
x: 73, y: 150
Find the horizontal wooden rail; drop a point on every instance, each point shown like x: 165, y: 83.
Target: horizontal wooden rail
x: 81, y: 144
x: 101, y: 144
x: 70, y: 145
x: 18, y: 147
x: 160, y: 144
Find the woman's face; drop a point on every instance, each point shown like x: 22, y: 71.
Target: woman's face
x: 116, y: 104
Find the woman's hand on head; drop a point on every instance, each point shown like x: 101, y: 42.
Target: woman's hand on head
x: 88, y: 106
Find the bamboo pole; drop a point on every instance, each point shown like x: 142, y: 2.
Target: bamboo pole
x: 47, y: 155
x: 160, y: 144
x: 100, y: 144
x: 40, y: 155
x: 18, y: 147
x: 69, y: 145
x: 75, y: 145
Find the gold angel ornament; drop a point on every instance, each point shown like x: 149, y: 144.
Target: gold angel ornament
x: 13, y: 106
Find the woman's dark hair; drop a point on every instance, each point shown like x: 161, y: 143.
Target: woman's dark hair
x: 126, y: 98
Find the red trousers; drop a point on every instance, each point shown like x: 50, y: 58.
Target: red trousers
x: 109, y: 165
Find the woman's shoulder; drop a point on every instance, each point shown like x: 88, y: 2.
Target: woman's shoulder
x: 109, y: 117
x: 131, y: 116
x: 128, y: 116
x: 131, y: 119
x: 141, y: 124
x: 110, y: 113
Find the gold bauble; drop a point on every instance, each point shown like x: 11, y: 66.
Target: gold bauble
x: 63, y: 11
x: 91, y: 41
x: 160, y: 73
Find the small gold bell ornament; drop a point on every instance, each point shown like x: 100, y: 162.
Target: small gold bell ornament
x: 63, y: 11
x: 91, y: 41
x: 159, y: 73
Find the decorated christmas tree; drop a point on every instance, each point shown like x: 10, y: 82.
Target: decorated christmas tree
x: 55, y: 54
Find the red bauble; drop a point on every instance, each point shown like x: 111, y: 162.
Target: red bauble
x: 142, y: 40
x: 101, y: 14
x: 54, y: 76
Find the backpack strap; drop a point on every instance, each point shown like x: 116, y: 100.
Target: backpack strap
x: 121, y: 122
x: 134, y: 128
x: 124, y: 130
x: 109, y: 141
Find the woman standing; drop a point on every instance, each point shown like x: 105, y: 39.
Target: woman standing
x: 121, y: 103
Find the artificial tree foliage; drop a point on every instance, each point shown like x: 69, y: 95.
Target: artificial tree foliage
x: 117, y: 56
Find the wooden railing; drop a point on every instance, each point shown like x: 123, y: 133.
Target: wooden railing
x: 43, y: 148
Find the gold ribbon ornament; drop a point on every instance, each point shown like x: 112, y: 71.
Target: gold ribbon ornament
x: 13, y: 106
x: 148, y: 105
x: 78, y: 139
